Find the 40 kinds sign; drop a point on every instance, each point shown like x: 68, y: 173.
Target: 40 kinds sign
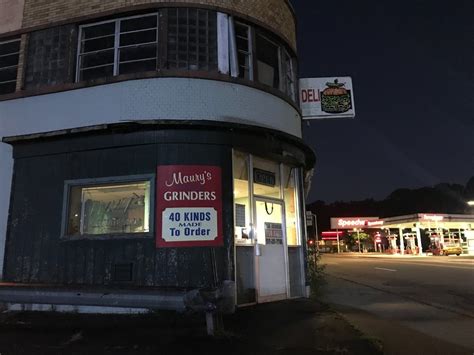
x: 189, y: 206
x: 327, y: 98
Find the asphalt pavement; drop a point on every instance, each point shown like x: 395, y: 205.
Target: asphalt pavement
x: 414, y: 305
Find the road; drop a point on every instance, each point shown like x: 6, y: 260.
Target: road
x: 414, y: 305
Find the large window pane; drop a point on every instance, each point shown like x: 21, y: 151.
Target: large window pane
x: 109, y: 209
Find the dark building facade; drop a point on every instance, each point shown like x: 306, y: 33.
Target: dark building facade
x: 149, y: 151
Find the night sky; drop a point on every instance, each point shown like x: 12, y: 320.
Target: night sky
x: 412, y: 66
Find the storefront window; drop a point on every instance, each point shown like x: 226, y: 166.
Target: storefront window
x: 116, y: 208
x: 241, y: 198
x: 244, y: 253
x: 289, y: 192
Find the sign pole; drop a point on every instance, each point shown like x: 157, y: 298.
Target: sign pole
x: 358, y: 238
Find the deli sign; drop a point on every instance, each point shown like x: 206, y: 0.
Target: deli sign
x: 327, y: 98
x: 351, y: 222
x: 189, y: 206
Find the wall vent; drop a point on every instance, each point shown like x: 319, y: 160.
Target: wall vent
x: 123, y: 272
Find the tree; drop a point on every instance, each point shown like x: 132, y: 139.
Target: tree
x: 351, y: 239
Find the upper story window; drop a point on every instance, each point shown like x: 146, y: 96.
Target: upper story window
x: 243, y: 38
x: 9, y: 56
x: 170, y: 38
x: 118, y: 47
x: 192, y: 39
x: 268, y: 62
x: 257, y: 55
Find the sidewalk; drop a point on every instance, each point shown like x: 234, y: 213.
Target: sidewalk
x: 289, y: 327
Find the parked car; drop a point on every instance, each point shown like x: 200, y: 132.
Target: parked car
x: 451, y: 249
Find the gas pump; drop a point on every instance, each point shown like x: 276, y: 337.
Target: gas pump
x: 392, y: 243
x: 410, y: 243
x: 435, y: 244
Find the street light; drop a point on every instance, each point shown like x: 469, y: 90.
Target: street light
x: 470, y: 203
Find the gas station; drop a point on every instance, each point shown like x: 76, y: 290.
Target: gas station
x: 442, y: 229
x: 404, y: 233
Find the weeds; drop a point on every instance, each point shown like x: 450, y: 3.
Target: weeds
x: 315, y: 272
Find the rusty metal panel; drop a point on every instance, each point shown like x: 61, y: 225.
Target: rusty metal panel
x: 37, y: 253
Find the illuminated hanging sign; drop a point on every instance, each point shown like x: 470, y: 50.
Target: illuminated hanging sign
x: 432, y: 217
x: 327, y: 98
x: 350, y: 222
x: 189, y: 206
x: 331, y: 235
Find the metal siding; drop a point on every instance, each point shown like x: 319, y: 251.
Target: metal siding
x: 37, y: 254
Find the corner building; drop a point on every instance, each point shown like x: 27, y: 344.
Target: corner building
x: 150, y: 149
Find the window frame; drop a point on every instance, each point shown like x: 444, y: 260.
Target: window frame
x: 251, y: 53
x: 269, y: 38
x: 284, y: 53
x: 18, y: 39
x: 116, y: 48
x: 97, y: 182
x: 290, y: 81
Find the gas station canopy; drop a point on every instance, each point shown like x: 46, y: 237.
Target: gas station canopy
x: 430, y: 221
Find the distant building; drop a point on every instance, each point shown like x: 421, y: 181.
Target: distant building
x: 150, y: 148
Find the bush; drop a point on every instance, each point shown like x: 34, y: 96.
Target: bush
x: 315, y: 272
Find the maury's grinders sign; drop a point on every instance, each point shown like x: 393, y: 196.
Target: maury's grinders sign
x: 189, y: 206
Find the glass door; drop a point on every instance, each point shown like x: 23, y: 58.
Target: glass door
x: 270, y: 250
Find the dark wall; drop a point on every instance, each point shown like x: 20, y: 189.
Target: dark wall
x: 51, y: 56
x: 35, y: 252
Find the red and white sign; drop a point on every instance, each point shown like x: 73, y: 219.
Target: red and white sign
x: 432, y: 217
x: 350, y: 222
x: 372, y: 224
x: 322, y: 98
x: 189, y: 206
x: 331, y: 235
